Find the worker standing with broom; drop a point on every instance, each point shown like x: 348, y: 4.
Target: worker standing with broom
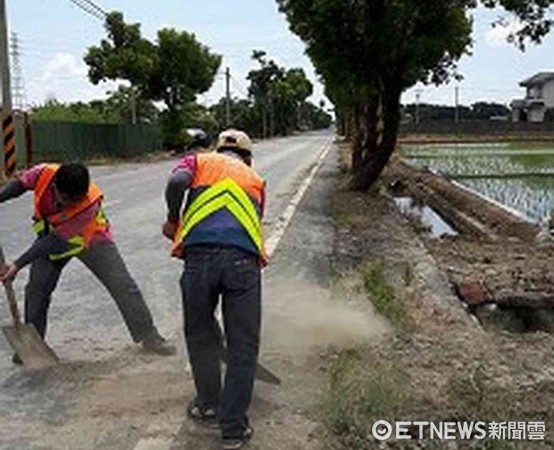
x: 69, y: 222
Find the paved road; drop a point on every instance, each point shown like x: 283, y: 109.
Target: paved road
x: 86, y: 330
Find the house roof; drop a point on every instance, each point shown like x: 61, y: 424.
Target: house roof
x: 539, y: 78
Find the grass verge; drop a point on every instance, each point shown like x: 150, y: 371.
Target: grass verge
x: 383, y: 296
x: 367, y: 385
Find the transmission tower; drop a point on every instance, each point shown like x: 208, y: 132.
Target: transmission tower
x: 18, y: 85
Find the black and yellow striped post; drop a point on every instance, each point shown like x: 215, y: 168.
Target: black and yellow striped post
x: 8, y: 132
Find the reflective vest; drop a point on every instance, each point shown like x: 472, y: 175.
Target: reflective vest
x: 43, y: 224
x: 224, y: 183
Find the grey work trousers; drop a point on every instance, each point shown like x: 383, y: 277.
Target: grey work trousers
x: 105, y: 262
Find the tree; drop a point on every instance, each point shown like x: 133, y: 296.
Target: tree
x: 132, y: 107
x: 485, y: 110
x: 93, y: 112
x: 279, y: 95
x: 262, y: 89
x: 174, y: 69
x: 369, y: 51
x: 244, y: 115
x: 316, y: 118
x: 114, y: 109
x: 300, y: 89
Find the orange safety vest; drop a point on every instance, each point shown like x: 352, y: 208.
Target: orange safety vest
x: 43, y: 223
x: 222, y: 182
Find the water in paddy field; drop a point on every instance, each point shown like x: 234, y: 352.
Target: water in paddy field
x: 520, y: 176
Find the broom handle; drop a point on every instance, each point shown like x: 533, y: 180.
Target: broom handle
x: 10, y: 294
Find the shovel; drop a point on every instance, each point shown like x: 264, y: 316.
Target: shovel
x: 262, y: 373
x: 24, y: 338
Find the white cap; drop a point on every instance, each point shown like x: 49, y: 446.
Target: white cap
x: 234, y: 139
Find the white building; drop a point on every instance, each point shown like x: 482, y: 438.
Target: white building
x: 539, y: 98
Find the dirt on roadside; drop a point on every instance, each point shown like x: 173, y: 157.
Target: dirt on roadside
x: 442, y: 364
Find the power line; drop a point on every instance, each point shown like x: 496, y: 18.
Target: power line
x: 96, y: 7
x: 90, y: 8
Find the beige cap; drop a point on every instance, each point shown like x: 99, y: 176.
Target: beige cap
x: 234, y: 138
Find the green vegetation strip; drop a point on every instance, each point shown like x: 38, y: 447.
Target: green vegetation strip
x: 383, y: 296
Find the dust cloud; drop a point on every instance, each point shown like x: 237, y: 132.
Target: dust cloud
x: 299, y: 317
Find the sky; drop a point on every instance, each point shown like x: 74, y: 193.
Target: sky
x: 53, y: 36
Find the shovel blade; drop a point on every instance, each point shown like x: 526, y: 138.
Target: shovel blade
x: 262, y: 373
x: 266, y: 375
x: 30, y: 347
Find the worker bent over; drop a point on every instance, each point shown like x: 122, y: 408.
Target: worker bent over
x: 69, y: 222
x: 219, y: 237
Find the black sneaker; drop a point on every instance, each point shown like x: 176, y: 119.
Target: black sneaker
x: 205, y: 417
x: 157, y: 344
x: 232, y: 443
x: 16, y: 359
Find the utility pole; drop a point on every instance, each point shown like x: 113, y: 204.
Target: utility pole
x: 133, y: 105
x: 457, y: 103
x: 18, y: 88
x: 418, y: 99
x: 228, y: 97
x: 8, y: 130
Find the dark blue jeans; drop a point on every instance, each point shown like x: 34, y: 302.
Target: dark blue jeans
x: 234, y: 275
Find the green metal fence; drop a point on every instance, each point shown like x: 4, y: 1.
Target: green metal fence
x: 68, y: 141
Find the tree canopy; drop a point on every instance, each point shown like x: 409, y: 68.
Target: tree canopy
x: 369, y: 51
x: 278, y: 94
x: 277, y: 101
x: 174, y: 69
x: 117, y: 108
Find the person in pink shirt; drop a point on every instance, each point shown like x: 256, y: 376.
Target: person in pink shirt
x: 70, y: 222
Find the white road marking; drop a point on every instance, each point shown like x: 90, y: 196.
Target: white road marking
x: 164, y: 438
x: 278, y: 230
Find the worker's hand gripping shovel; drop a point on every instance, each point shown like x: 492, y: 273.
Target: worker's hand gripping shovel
x: 24, y: 338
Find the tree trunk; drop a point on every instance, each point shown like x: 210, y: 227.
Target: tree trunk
x: 264, y: 121
x: 357, y: 139
x: 377, y: 152
x: 271, y: 117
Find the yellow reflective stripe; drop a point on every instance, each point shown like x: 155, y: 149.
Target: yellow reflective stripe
x: 206, y: 196
x: 217, y: 189
x: 79, y: 245
x: 225, y: 194
x: 201, y: 213
x: 253, y: 229
x: 101, y: 218
x: 39, y: 226
x: 246, y: 203
x: 225, y: 200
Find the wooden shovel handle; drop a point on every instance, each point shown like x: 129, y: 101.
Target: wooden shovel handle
x: 10, y: 294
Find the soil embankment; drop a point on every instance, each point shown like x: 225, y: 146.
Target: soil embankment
x: 498, y: 258
x: 441, y: 363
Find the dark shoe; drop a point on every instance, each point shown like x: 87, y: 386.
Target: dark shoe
x: 16, y: 359
x: 205, y: 417
x: 232, y: 443
x: 157, y: 344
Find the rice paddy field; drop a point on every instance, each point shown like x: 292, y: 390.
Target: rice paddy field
x: 519, y: 176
